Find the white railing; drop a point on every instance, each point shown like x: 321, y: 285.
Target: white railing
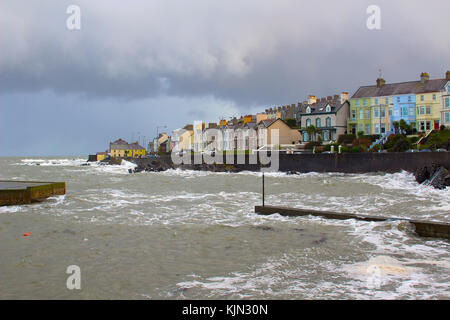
x: 382, y: 140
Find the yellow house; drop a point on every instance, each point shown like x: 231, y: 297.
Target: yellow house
x: 135, y: 150
x: 102, y: 156
x: 122, y: 149
x: 118, y: 148
x: 428, y: 111
x: 183, y: 138
x: 380, y: 111
x: 248, y: 118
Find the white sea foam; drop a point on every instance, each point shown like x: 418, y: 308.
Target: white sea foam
x: 408, y: 266
x: 74, y: 162
x: 11, y: 209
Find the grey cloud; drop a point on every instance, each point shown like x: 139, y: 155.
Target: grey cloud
x: 252, y: 52
x: 136, y: 64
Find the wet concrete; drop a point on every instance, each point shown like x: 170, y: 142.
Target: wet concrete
x: 25, y: 192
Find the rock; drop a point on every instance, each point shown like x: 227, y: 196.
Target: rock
x: 421, y: 174
x: 434, y: 175
x: 439, y: 179
x: 433, y: 169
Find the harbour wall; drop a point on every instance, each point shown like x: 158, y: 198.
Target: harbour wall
x: 344, y: 162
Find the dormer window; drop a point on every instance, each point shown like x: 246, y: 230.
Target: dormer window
x: 328, y: 109
x: 308, y: 110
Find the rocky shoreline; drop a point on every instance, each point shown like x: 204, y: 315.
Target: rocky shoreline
x: 432, y: 174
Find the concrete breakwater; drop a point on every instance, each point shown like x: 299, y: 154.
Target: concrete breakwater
x: 25, y: 192
x: 422, y: 228
x: 302, y: 163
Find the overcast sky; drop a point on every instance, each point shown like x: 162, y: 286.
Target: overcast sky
x: 135, y: 65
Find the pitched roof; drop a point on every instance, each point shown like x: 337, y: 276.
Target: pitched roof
x: 233, y: 126
x: 268, y: 122
x: 250, y: 125
x: 119, y: 141
x: 135, y: 146
x: 415, y: 87
x: 320, y: 106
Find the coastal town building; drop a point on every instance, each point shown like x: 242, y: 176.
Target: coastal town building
x: 135, y: 150
x: 161, y: 143
x: 286, y: 135
x: 327, y: 115
x: 102, y: 156
x: 122, y: 149
x: 374, y: 109
x: 183, y: 138
x: 445, y: 103
x: 261, y: 116
x: 118, y: 148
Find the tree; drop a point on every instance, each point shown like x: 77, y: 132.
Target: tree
x: 402, y: 125
x: 311, y: 130
x: 291, y: 122
x: 397, y: 143
x: 405, y: 127
x: 396, y: 125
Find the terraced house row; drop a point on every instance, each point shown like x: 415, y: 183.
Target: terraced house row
x: 425, y: 104
x: 372, y: 110
x: 328, y: 115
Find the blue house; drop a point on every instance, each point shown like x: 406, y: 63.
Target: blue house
x: 403, y: 107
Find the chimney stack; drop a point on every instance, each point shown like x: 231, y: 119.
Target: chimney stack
x: 344, y: 97
x: 335, y: 97
x: 380, y: 82
x: 329, y: 98
x: 447, y: 76
x: 312, y: 99
x: 424, y: 77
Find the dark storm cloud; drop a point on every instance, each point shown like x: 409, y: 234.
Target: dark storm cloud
x: 135, y: 65
x: 250, y: 52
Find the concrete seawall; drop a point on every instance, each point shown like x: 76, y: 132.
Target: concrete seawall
x: 344, y: 162
x: 422, y: 228
x: 25, y: 192
x: 302, y: 163
x: 362, y: 162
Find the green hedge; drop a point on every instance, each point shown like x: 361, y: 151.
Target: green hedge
x: 346, y: 138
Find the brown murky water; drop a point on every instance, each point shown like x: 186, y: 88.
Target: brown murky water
x: 186, y: 234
